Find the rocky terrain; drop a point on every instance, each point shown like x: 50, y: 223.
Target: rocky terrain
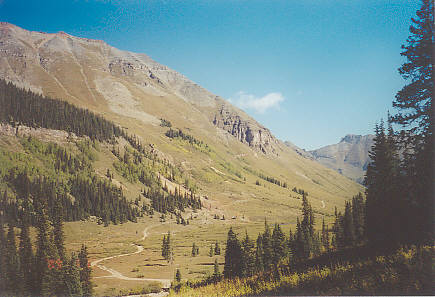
x: 108, y: 76
x: 349, y: 157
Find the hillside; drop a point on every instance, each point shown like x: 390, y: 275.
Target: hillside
x: 194, y: 145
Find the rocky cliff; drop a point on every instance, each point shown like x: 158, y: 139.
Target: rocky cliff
x: 95, y: 74
x: 349, y: 157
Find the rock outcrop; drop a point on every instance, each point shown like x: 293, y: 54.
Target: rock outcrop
x: 349, y: 157
x: 245, y: 129
x: 95, y: 74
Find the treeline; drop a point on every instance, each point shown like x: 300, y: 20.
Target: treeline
x: 273, y: 180
x: 300, y: 191
x: 48, y: 271
x: 24, y: 107
x: 178, y: 133
x: 137, y: 166
x: 66, y: 178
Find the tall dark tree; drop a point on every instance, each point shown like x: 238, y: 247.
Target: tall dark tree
x: 13, y: 274
x: 27, y: 260
x: 248, y: 261
x: 415, y: 114
x: 72, y: 283
x: 233, y: 256
x: 267, y: 247
x: 382, y: 198
x: 85, y: 272
x: 278, y: 244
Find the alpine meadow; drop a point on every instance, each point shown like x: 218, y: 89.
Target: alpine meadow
x: 120, y: 176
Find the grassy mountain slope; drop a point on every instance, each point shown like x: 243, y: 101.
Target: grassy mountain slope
x: 226, y: 157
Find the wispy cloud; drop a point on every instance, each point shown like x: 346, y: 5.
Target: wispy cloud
x: 258, y: 104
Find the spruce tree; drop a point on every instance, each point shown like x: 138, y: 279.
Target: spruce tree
x: 217, y: 249
x: 415, y: 114
x: 27, y: 260
x: 72, y: 282
x: 85, y: 272
x: 178, y: 276
x: 382, y: 224
x: 13, y: 274
x: 248, y: 259
x: 278, y: 244
x: 216, y: 272
x: 259, y: 266
x: 233, y: 256
x: 58, y: 233
x: 3, y: 250
x: 211, y: 251
x: 267, y: 247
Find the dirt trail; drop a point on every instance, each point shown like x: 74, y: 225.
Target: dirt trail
x: 166, y: 283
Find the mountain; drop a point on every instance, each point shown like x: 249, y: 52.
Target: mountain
x: 191, y: 141
x: 136, y: 92
x: 349, y: 157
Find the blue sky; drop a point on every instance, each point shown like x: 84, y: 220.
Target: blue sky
x: 309, y: 70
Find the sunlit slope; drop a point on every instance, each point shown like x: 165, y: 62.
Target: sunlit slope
x: 136, y: 92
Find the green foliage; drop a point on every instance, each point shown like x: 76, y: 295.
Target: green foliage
x: 179, y: 134
x: 404, y: 272
x: 33, y: 110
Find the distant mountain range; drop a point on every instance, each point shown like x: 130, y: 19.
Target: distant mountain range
x: 349, y: 157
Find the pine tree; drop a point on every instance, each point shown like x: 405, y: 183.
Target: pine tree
x: 13, y: 274
x: 267, y: 247
x: 358, y: 217
x: 415, y: 114
x: 382, y: 200
x: 216, y: 272
x: 259, y: 266
x: 217, y: 249
x: 3, y: 251
x: 278, y: 244
x: 194, y: 250
x: 58, y: 229
x: 178, y: 276
x: 85, y: 272
x: 26, y: 259
x: 325, y: 236
x: 248, y: 259
x: 211, y: 251
x: 348, y: 227
x: 233, y: 256
x: 72, y: 282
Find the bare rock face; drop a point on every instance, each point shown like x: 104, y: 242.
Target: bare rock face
x: 349, y: 157
x: 96, y: 74
x: 245, y: 129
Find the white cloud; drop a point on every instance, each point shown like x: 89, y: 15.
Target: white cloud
x: 258, y: 104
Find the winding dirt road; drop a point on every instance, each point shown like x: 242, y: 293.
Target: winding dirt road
x: 166, y: 283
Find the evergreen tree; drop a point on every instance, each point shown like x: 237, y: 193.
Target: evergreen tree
x: 278, y: 244
x: 325, y: 236
x: 382, y: 200
x: 233, y: 256
x: 211, y: 251
x: 217, y: 249
x: 248, y: 259
x: 348, y: 227
x: 26, y: 259
x: 13, y: 274
x: 415, y: 114
x: 267, y: 247
x: 85, y: 272
x: 259, y: 265
x: 3, y: 251
x: 358, y: 217
x: 194, y: 250
x: 216, y: 272
x: 58, y: 229
x: 178, y: 276
x: 72, y: 283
